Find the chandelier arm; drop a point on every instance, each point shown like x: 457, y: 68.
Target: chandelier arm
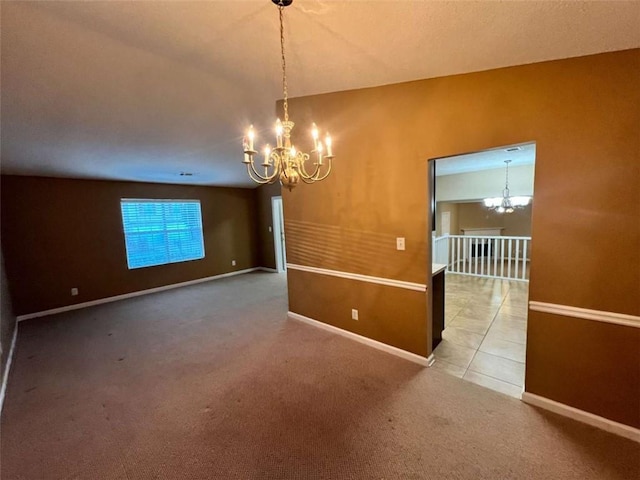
x: 316, y: 177
x: 307, y: 181
x: 303, y: 170
x: 265, y: 178
x: 311, y: 177
x: 319, y: 178
x: 259, y: 180
x: 256, y: 180
x: 254, y: 173
x: 305, y: 175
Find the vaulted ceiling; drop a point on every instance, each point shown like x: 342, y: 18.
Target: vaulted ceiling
x: 142, y: 91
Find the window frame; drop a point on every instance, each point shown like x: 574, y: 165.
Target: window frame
x: 199, y: 224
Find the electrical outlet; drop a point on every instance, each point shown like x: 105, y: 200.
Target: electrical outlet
x: 233, y: 263
x: 354, y: 314
x: 400, y: 243
x: 269, y: 228
x: 74, y: 291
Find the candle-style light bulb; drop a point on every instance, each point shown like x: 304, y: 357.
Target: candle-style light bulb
x: 251, y: 134
x: 279, y: 133
x: 319, y: 149
x: 314, y: 134
x: 327, y: 142
x: 245, y: 148
x: 267, y: 154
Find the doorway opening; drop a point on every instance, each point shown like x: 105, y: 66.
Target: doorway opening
x: 485, y: 254
x: 278, y: 234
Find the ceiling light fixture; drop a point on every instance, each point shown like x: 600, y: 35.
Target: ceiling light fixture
x: 283, y: 162
x: 506, y: 203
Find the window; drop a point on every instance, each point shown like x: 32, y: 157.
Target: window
x: 157, y: 232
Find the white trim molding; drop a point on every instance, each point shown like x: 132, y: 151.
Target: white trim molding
x: 580, y: 415
x: 425, y: 362
x: 267, y: 269
x: 418, y: 287
x: 576, y: 312
x: 431, y: 359
x: 77, y: 306
x: 7, y: 367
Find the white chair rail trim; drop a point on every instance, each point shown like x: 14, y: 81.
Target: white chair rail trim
x: 412, y: 357
x: 418, y: 287
x: 597, y: 315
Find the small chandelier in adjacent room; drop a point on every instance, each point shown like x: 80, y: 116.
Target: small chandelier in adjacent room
x: 283, y: 162
x: 506, y: 203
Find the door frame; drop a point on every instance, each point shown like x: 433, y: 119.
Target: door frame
x: 278, y: 234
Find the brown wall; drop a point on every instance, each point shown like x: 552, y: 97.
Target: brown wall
x: 266, y: 248
x: 589, y: 365
x: 452, y: 208
x: 476, y: 215
x: 59, y: 233
x: 376, y: 304
x: 7, y: 320
x: 583, y: 115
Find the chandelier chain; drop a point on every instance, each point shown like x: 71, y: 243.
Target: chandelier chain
x: 506, y: 185
x: 284, y: 67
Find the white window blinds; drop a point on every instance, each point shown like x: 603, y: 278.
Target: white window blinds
x: 157, y: 232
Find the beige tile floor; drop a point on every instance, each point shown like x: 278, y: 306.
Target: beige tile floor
x: 485, y: 332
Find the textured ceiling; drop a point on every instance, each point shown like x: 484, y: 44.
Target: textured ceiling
x: 144, y: 90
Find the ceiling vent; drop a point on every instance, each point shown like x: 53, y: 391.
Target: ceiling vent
x: 513, y: 149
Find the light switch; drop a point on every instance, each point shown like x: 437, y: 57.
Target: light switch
x: 400, y: 243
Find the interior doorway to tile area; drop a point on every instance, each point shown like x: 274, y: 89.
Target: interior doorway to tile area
x: 485, y: 333
x: 487, y: 254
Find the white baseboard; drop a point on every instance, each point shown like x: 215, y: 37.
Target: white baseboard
x: 431, y: 359
x: 100, y: 301
x: 7, y: 368
x: 267, y: 269
x: 582, y: 416
x: 367, y: 341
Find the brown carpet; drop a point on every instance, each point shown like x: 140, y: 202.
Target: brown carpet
x: 213, y: 382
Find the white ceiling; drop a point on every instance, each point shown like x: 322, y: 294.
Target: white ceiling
x: 145, y: 90
x: 524, y: 154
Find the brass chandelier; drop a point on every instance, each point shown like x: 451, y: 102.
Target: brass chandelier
x: 283, y: 162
